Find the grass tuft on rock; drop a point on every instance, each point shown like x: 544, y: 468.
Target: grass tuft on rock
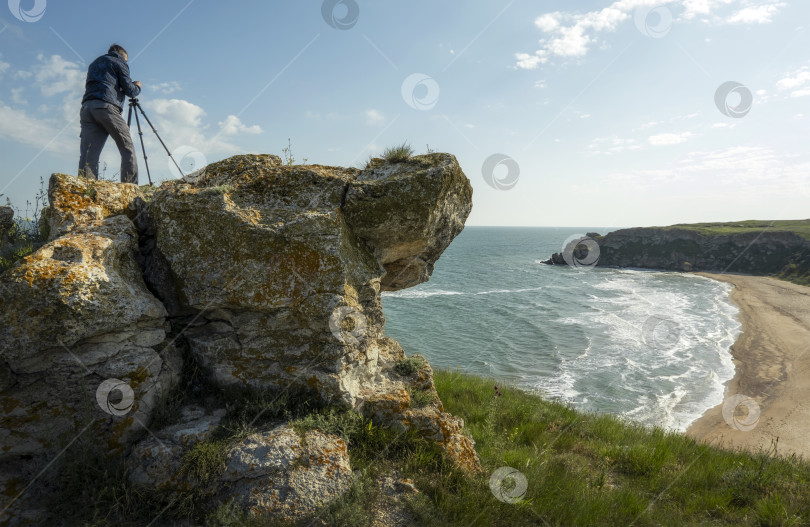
x: 409, y: 365
x: 398, y: 154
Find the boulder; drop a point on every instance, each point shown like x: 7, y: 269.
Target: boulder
x: 80, y: 201
x: 281, y: 474
x: 408, y: 213
x: 79, y: 327
x: 156, y: 461
x: 262, y: 254
x: 263, y: 275
x: 278, y: 269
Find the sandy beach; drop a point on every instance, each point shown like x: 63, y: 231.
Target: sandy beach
x: 772, y: 360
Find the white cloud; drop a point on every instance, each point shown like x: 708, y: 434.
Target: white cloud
x: 232, y: 125
x: 701, y: 8
x: 669, y: 139
x: 19, y: 127
x: 526, y: 61
x: 548, y: 22
x: 17, y: 96
x: 312, y: 115
x: 572, y: 35
x: 755, y: 15
x: 182, y: 123
x: 166, y: 88
x: 56, y: 75
x: 374, y: 118
x: 612, y: 144
x: 794, y: 80
x: 752, y: 169
x: 685, y: 117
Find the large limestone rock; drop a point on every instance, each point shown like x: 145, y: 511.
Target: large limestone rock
x: 409, y: 213
x: 268, y: 275
x: 261, y: 251
x: 73, y: 316
x: 80, y: 201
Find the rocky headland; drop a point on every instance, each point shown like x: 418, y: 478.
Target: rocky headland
x: 257, y: 276
x: 767, y: 249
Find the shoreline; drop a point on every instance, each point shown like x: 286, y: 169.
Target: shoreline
x: 772, y: 370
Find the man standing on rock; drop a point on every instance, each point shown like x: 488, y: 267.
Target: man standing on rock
x: 108, y: 83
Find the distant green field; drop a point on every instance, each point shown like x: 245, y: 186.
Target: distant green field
x: 800, y: 227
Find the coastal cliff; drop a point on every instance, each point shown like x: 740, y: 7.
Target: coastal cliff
x: 760, y: 248
x: 248, y: 279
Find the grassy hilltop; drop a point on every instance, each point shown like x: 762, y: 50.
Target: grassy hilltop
x: 799, y: 227
x: 778, y: 248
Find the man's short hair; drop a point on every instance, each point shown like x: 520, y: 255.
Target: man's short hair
x: 115, y: 48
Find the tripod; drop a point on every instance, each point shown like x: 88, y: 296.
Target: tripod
x: 135, y: 105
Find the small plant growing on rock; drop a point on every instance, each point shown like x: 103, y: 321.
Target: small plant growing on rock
x: 398, y: 154
x: 344, y: 423
x: 289, y: 159
x: 421, y: 398
x: 21, y: 236
x: 409, y: 366
x: 221, y: 189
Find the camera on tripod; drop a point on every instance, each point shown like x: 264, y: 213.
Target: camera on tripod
x: 135, y: 107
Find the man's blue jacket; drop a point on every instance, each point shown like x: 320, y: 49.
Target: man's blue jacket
x: 108, y: 80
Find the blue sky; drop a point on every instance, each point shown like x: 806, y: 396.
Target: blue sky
x: 596, y: 113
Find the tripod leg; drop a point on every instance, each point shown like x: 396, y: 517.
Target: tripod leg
x: 143, y: 148
x: 159, y: 139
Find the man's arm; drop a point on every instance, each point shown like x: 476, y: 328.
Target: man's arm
x: 131, y: 89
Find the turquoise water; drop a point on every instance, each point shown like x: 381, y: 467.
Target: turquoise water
x: 650, y: 346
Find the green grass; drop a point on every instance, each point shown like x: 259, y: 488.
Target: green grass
x: 397, y: 154
x: 20, y: 241
x: 581, y: 469
x: 800, y: 227
x: 421, y: 398
x: 409, y: 365
x: 586, y: 469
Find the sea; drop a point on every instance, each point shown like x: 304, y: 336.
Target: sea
x: 650, y: 346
